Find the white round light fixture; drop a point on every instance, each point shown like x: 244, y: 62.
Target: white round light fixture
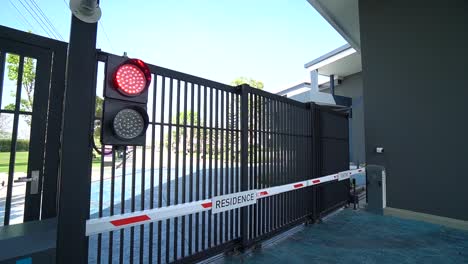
x: 86, y: 10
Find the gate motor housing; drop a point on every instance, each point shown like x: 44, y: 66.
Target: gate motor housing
x: 376, y: 188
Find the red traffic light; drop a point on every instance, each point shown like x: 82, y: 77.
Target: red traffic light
x: 132, y: 77
x: 124, y: 114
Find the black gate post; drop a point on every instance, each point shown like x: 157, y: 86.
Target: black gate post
x: 77, y: 124
x: 244, y: 115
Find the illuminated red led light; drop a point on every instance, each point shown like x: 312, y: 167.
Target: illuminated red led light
x: 132, y: 77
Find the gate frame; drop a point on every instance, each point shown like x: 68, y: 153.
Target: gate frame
x: 55, y: 51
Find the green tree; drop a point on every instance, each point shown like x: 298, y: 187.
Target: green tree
x: 4, y: 126
x: 232, y: 120
x: 179, y: 120
x: 251, y: 82
x: 98, y: 115
x: 28, y: 81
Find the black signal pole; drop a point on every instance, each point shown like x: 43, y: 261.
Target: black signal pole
x: 77, y: 125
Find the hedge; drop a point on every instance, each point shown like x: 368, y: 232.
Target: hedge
x: 21, y: 145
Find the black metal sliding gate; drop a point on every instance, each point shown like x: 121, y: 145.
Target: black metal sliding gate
x: 207, y: 139
x: 279, y: 152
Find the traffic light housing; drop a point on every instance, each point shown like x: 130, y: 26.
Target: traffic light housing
x: 125, y: 118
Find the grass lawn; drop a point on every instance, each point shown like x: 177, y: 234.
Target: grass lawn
x: 96, y: 161
x: 21, y: 162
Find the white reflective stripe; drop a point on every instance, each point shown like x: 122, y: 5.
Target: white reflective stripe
x: 328, y: 178
x: 262, y: 193
x: 116, y: 222
x: 347, y: 174
x: 271, y: 191
x: 357, y: 171
x: 343, y: 176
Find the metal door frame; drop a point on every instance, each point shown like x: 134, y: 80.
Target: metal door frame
x: 46, y: 118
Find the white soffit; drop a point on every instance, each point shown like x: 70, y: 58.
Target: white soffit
x: 342, y: 62
x: 343, y: 15
x: 323, y: 62
x: 343, y: 67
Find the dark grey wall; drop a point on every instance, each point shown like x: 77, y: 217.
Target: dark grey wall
x: 351, y: 86
x: 415, y: 74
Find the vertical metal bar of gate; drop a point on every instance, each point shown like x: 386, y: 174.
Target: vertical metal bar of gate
x: 315, y: 157
x: 226, y: 173
x: 210, y: 182
x: 176, y: 195
x: 204, y: 182
x: 244, y: 161
x: 14, y: 136
x: 268, y: 160
x: 161, y: 153
x: 232, y: 131
x: 197, y: 168
x: 168, y: 173
x: 2, y: 69
x: 111, y: 207
x: 122, y: 200
x: 184, y: 166
x: 2, y: 72
x: 238, y: 159
x: 216, y: 151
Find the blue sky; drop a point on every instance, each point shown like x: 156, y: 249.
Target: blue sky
x: 219, y: 40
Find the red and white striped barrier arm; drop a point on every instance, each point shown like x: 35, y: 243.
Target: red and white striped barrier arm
x: 116, y: 222
x: 111, y: 223
x: 262, y: 193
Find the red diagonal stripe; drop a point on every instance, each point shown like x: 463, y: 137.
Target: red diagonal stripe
x: 263, y: 193
x: 206, y: 205
x: 315, y: 181
x: 130, y: 220
x: 298, y: 185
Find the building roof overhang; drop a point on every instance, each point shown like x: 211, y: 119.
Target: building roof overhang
x: 343, y: 16
x: 342, y: 62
